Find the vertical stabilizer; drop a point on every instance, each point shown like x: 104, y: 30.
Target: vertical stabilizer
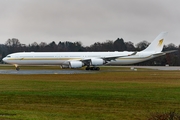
x: 158, y: 43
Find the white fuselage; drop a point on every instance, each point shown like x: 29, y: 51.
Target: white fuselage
x: 61, y: 58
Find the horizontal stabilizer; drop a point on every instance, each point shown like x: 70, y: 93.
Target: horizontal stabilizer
x: 170, y: 51
x: 164, y: 53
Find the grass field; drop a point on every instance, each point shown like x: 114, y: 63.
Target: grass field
x: 125, y: 95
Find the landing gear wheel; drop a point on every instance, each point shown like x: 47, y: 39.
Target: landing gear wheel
x: 87, y: 68
x: 92, y: 68
x: 97, y: 68
x: 17, y: 68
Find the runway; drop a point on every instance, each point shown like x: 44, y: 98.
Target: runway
x: 75, y: 71
x: 29, y: 72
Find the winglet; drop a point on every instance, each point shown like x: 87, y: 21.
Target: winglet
x: 157, y: 44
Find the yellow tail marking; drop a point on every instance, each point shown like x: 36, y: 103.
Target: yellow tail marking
x: 160, y: 42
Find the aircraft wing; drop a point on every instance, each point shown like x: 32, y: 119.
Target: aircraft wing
x: 87, y: 61
x: 106, y: 58
x: 109, y: 58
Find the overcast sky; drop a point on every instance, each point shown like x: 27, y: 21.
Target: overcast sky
x: 89, y: 21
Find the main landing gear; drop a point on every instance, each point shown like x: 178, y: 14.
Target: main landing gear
x: 93, y: 68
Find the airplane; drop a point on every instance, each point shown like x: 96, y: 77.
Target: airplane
x: 92, y: 60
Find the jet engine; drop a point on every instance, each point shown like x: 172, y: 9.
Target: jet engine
x: 96, y: 62
x: 75, y: 64
x: 64, y: 66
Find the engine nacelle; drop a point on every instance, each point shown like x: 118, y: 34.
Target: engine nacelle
x: 96, y: 62
x: 75, y: 64
x: 64, y: 66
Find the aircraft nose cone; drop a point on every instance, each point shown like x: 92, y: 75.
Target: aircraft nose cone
x: 4, y: 59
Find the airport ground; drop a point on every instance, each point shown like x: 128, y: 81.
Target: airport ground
x: 115, y: 93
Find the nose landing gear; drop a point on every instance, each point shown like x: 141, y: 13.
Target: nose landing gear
x: 17, y: 67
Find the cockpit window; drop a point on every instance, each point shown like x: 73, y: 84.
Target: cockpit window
x: 8, y: 56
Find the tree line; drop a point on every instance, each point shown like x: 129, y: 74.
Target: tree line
x: 14, y: 45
